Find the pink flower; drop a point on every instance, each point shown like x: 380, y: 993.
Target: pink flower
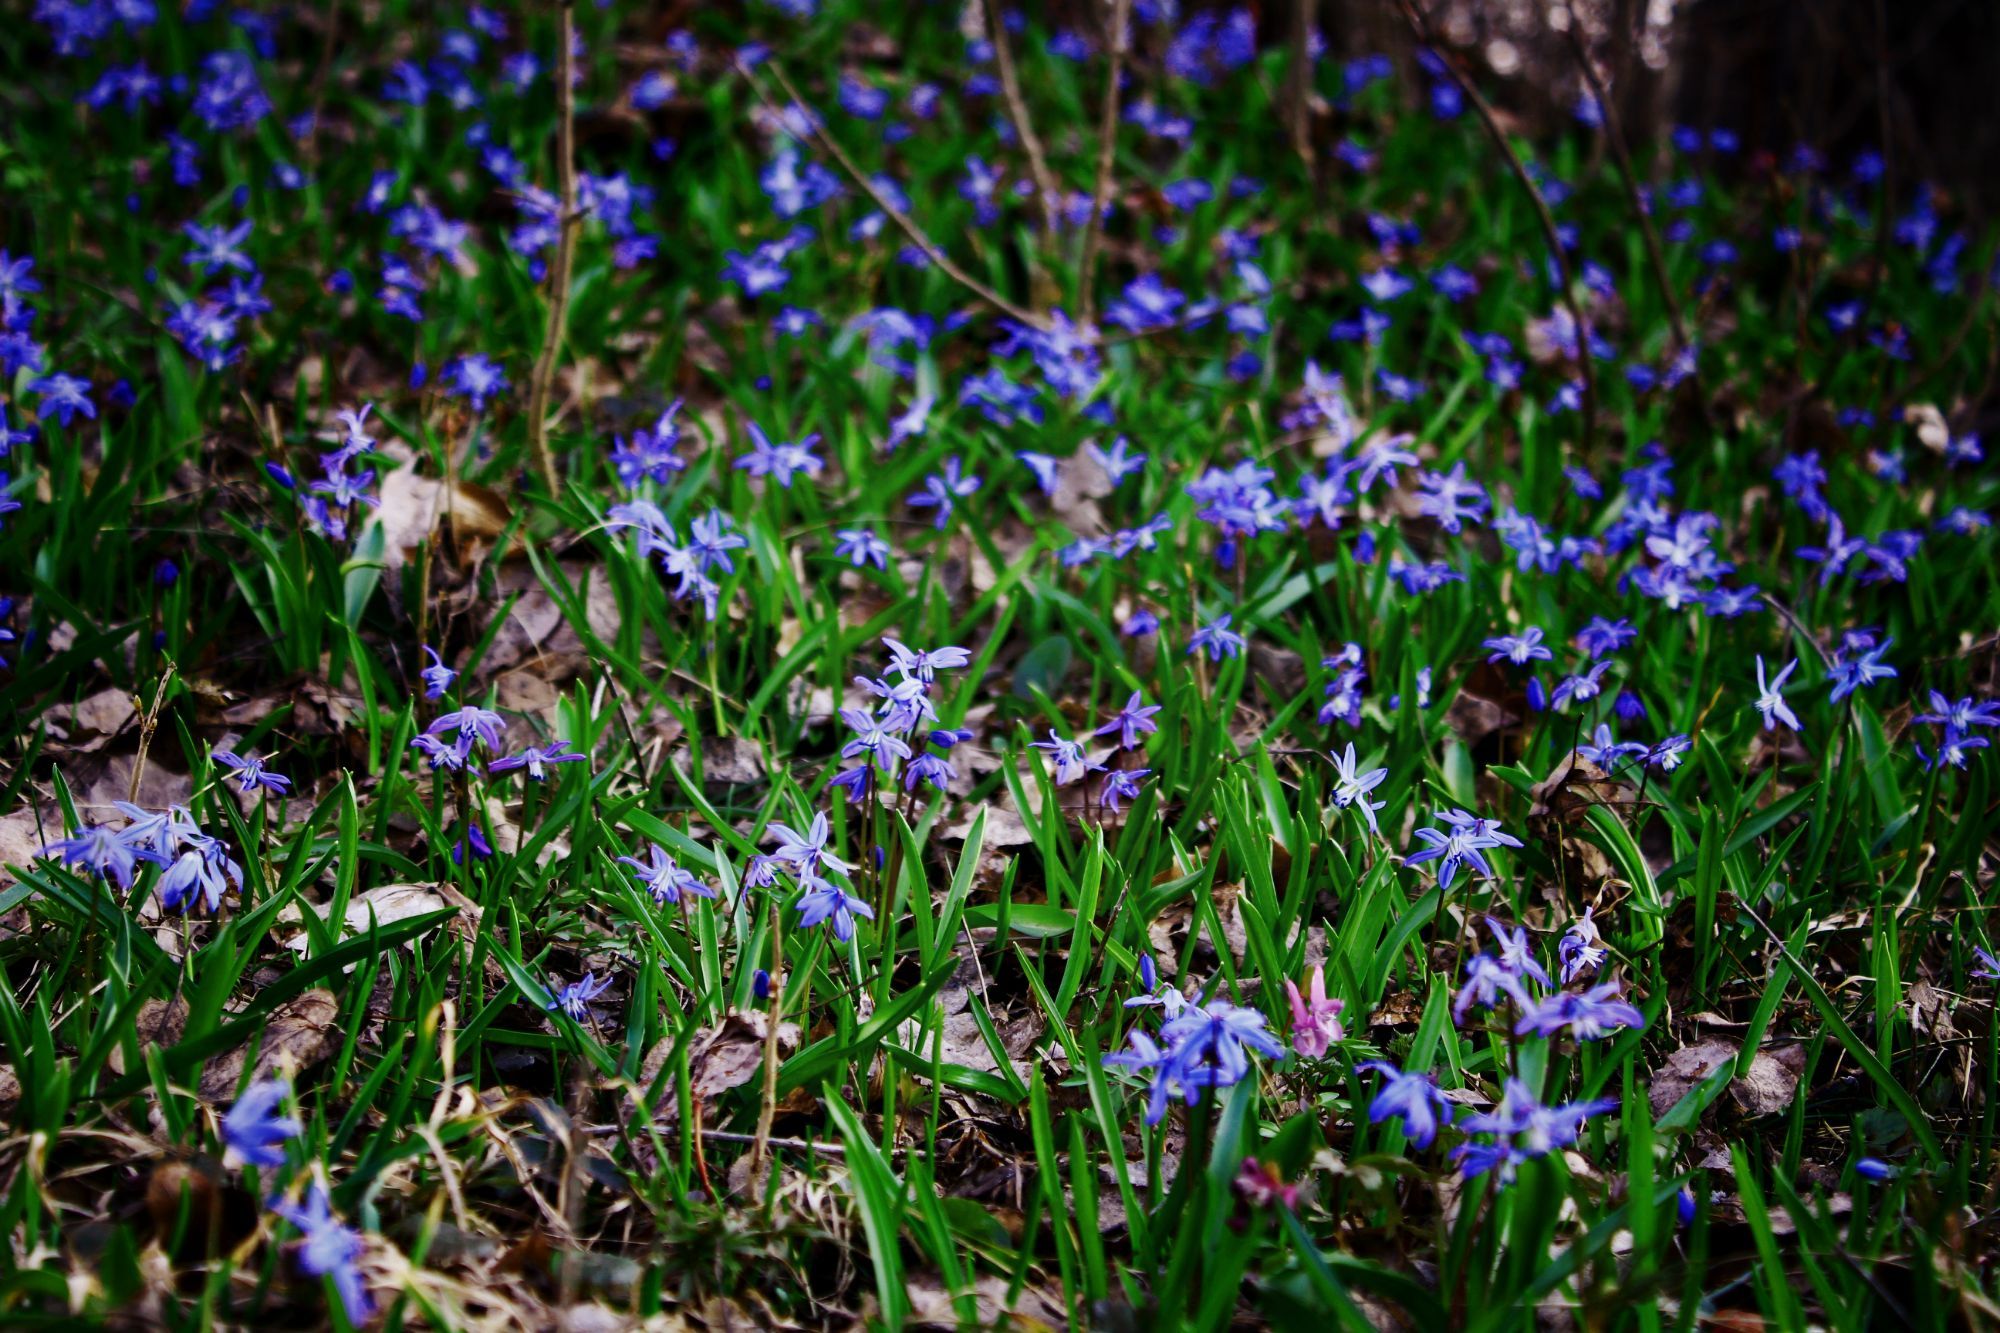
x: 1263, y: 1184
x: 1315, y: 1021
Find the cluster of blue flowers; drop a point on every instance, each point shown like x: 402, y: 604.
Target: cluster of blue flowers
x: 1202, y: 1045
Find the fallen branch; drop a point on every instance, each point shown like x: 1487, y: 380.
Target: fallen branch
x: 888, y: 209
x: 1655, y: 257
x: 570, y: 222
x: 1017, y: 112
x: 1107, y: 139
x: 1565, y: 290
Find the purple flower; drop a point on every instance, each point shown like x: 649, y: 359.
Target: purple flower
x: 1120, y: 785
x: 1315, y: 1018
x: 470, y: 723
x: 1130, y: 722
x: 105, y: 852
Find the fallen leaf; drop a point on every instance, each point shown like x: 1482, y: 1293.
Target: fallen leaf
x: 412, y: 507
x: 158, y: 1023
x: 298, y: 1034
x: 1766, y: 1088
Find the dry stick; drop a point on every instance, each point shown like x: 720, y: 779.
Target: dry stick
x: 1627, y: 175
x: 767, y: 1109
x: 572, y: 222
x: 1485, y: 113
x: 1300, y: 83
x: 888, y: 209
x: 1017, y: 111
x: 148, y: 724
x: 1107, y: 138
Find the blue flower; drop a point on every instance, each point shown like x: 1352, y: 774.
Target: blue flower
x: 825, y: 900
x: 574, y: 999
x: 1589, y: 1016
x: 1850, y: 673
x: 437, y: 676
x: 806, y: 852
x: 665, y: 878
x: 1130, y: 722
x: 256, y: 1128
x: 536, y: 759
x: 780, y: 461
x: 329, y: 1249
x: 105, y: 852
x: 943, y: 490
x: 475, y: 377
x: 861, y: 547
x: 1771, y: 698
x: 251, y: 775
x: 1217, y: 639
x: 1412, y: 1098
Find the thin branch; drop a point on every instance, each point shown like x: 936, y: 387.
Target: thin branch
x: 1566, y: 290
x: 1107, y: 141
x: 888, y: 209
x: 1626, y: 174
x: 1017, y: 111
x: 571, y: 223
x: 1299, y: 84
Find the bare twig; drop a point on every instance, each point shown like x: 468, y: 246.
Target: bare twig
x: 767, y: 1108
x: 149, y: 722
x: 1017, y: 111
x: 1299, y: 83
x: 570, y: 222
x: 1566, y: 291
x: 1107, y: 140
x: 1629, y: 177
x: 903, y: 221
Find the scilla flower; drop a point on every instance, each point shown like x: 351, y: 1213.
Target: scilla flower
x: 1315, y: 1018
